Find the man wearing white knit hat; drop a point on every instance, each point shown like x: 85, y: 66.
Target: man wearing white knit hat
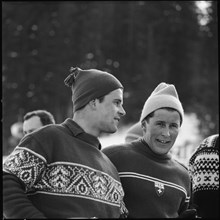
x: 155, y: 184
x: 163, y: 96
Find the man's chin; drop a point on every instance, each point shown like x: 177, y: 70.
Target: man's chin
x: 113, y: 130
x: 110, y: 131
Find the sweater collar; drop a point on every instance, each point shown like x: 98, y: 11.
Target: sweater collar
x: 145, y: 147
x: 78, y: 132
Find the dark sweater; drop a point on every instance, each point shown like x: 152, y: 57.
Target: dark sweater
x: 204, y: 171
x: 60, y: 172
x: 155, y: 186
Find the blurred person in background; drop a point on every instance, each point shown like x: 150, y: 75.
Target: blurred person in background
x: 36, y: 119
x: 204, y: 172
x: 59, y: 171
x: 155, y: 184
x: 16, y: 135
x: 32, y: 121
x: 134, y: 132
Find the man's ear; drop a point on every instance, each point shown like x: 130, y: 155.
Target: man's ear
x: 92, y: 104
x: 143, y: 125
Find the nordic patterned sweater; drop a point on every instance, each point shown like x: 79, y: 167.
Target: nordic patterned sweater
x: 155, y: 186
x: 204, y: 172
x: 60, y: 172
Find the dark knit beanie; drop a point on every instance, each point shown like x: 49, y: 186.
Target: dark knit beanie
x: 90, y: 84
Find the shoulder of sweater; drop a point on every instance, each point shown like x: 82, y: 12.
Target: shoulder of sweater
x: 209, y: 145
x: 51, y: 129
x: 181, y: 164
x: 209, y: 142
x: 115, y: 149
x: 44, y: 134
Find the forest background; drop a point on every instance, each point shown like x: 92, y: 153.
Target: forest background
x: 142, y: 43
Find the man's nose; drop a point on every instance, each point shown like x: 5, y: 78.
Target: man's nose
x: 122, y: 111
x: 166, y: 132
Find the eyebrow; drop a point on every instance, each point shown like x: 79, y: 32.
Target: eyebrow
x: 176, y: 123
x: 159, y: 120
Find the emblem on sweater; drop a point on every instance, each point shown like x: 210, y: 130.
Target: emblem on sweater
x: 159, y: 187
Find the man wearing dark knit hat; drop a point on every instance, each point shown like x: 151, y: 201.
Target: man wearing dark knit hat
x: 59, y: 170
x: 155, y: 184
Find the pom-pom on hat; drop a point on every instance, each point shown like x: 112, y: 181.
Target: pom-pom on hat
x: 164, y: 95
x: 90, y: 84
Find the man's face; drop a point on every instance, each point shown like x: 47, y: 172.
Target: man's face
x: 31, y: 124
x: 161, y: 130
x: 109, y: 112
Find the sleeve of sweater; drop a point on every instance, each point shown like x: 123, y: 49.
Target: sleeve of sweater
x: 15, y: 202
x: 21, y: 170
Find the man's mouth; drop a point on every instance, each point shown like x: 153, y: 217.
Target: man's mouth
x: 163, y: 141
x: 117, y: 119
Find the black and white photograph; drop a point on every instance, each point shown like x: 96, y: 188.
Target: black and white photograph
x: 110, y: 109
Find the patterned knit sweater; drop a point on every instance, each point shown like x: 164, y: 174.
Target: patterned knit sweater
x: 204, y: 172
x: 155, y: 186
x: 60, y: 172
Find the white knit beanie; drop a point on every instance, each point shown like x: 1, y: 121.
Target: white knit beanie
x: 164, y: 95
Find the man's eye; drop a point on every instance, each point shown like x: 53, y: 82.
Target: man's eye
x: 174, y: 125
x: 160, y: 123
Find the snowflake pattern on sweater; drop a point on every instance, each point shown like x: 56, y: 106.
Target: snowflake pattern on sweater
x: 62, y: 178
x: 204, y: 165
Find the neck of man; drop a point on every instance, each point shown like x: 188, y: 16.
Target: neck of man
x: 85, y: 121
